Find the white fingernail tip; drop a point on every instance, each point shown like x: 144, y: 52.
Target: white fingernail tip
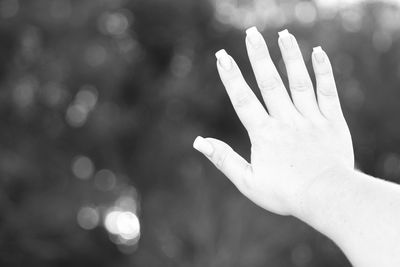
x: 319, y: 54
x: 254, y: 36
x: 317, y: 49
x: 224, y: 60
x: 221, y: 53
x: 286, y: 40
x: 283, y: 33
x: 252, y: 30
x: 203, y: 146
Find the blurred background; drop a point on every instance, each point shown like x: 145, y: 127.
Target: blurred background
x: 100, y: 102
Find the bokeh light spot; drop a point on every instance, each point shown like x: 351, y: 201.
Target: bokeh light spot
x: 124, y: 225
x: 352, y: 19
x: 76, y: 115
x: 87, y: 96
x: 127, y: 203
x: 82, y: 167
x: 113, y: 23
x: 128, y: 225
x: 382, y: 40
x: 305, y: 12
x: 88, y: 218
x: 105, y: 180
x: 24, y: 91
x: 110, y: 221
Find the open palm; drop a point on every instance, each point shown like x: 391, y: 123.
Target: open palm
x: 296, y: 140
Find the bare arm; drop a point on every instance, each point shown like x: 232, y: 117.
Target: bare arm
x: 360, y: 213
x: 302, y: 156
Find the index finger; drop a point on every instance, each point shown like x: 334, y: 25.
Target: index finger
x: 249, y: 109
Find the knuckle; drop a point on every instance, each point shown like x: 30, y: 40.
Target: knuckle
x: 269, y: 84
x: 247, y: 181
x: 221, y: 158
x: 323, y: 70
x: 248, y: 172
x: 232, y: 77
x: 301, y: 85
x: 242, y: 98
x: 328, y: 91
x: 261, y: 56
x: 293, y: 55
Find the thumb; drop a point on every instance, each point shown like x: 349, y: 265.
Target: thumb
x: 236, y: 168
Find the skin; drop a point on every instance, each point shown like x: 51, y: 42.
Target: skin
x: 302, y: 161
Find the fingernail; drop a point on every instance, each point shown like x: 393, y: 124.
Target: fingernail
x: 224, y: 60
x: 286, y: 39
x: 203, y: 146
x: 319, y: 54
x: 254, y: 36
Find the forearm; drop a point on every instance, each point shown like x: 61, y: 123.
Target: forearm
x: 360, y: 213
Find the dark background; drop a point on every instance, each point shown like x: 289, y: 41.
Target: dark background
x: 100, y: 102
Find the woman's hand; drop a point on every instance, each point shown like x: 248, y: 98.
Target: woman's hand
x: 302, y: 156
x: 296, y: 140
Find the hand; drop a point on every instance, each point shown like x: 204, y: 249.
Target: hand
x: 296, y: 140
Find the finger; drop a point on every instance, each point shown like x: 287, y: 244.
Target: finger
x: 328, y: 99
x: 250, y: 111
x: 269, y: 81
x: 301, y: 87
x: 226, y: 160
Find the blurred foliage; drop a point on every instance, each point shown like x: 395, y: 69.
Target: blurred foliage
x: 101, y: 97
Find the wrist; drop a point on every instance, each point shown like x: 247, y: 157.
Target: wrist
x: 320, y: 196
